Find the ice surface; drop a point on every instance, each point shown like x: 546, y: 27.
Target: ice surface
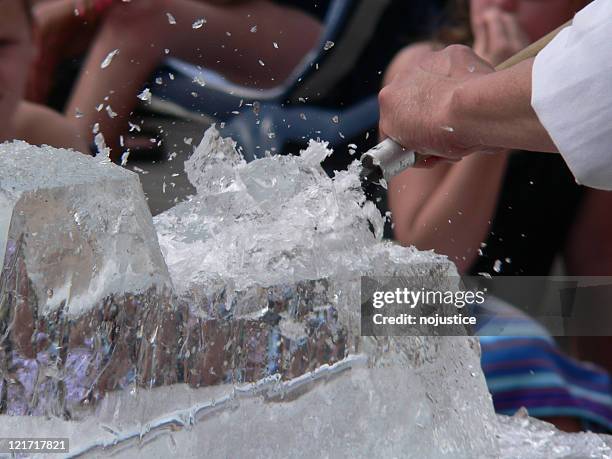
x: 281, y: 224
x: 523, y: 437
x: 83, y: 227
x: 343, y: 410
x: 81, y: 271
x: 273, y: 221
x: 344, y: 405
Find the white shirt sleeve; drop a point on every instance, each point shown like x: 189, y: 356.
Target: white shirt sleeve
x: 572, y: 94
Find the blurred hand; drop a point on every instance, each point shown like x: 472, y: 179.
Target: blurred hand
x: 498, y: 36
x: 417, y: 107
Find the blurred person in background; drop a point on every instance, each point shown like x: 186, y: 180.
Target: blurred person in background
x: 255, y: 43
x: 23, y: 120
x: 511, y: 213
x: 497, y: 218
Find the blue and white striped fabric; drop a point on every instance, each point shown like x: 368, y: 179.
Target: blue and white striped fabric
x: 524, y: 368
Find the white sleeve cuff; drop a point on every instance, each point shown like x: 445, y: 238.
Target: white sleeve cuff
x: 572, y: 94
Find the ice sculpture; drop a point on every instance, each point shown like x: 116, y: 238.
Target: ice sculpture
x: 252, y: 350
x: 276, y: 241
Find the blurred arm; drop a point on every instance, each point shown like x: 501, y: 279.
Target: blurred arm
x: 448, y: 208
x: 40, y: 125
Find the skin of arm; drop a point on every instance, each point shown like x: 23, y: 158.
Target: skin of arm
x: 487, y: 110
x: 448, y: 208
x: 55, y: 8
x: 40, y: 125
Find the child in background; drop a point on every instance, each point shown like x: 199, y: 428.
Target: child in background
x: 23, y: 120
x: 255, y: 43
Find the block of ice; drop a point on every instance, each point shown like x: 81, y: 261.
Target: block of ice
x: 259, y: 356
x: 81, y: 268
x: 82, y: 227
x: 277, y: 241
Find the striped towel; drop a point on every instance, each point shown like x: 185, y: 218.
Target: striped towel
x: 524, y: 367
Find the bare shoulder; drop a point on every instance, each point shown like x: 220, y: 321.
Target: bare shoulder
x: 40, y: 125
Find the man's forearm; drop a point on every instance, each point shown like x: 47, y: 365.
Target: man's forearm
x: 494, y: 110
